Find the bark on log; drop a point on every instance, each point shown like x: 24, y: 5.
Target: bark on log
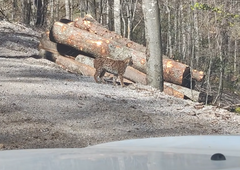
x: 62, y: 49
x: 89, y: 24
x: 95, y: 45
x: 68, y: 64
x: 174, y: 72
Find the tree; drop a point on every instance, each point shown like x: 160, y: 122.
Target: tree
x: 117, y: 17
x: 128, y: 16
x: 26, y: 15
x: 153, y: 43
x: 41, y: 12
x: 67, y: 9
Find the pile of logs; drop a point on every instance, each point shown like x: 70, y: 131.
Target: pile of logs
x: 74, y: 45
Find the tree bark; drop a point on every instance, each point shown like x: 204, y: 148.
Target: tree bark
x: 196, y: 35
x: 235, y: 57
x: 52, y: 16
x: 117, y: 17
x: 14, y: 9
x: 67, y: 9
x: 26, y: 8
x: 92, y: 26
x: 91, y: 8
x: 169, y: 50
x: 153, y: 43
x: 41, y: 12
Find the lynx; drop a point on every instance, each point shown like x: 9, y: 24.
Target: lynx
x: 116, y: 67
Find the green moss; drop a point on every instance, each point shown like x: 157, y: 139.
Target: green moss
x: 237, y: 110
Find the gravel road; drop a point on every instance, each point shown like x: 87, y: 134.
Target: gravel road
x: 43, y: 106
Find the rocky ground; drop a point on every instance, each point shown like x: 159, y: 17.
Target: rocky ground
x: 43, y: 106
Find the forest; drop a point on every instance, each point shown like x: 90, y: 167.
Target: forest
x: 203, y: 34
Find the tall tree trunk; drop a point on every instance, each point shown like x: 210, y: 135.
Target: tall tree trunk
x: 179, y: 29
x: 221, y: 69
x: 196, y: 35
x: 183, y: 32
x: 71, y: 9
x: 67, y: 9
x: 176, y: 16
x: 154, y: 43
x: 131, y: 11
x: 52, y: 16
x: 129, y: 23
x: 83, y: 7
x: 123, y: 22
x: 41, y: 12
x: 57, y: 10
x: 14, y: 8
x: 169, y: 38
x: 26, y: 8
x: 208, y: 88
x: 235, y: 57
x: 189, y: 34
x: 91, y: 8
x: 105, y: 13
x: 117, y: 17
x: 111, y: 15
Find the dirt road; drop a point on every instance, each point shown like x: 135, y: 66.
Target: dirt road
x: 43, y: 106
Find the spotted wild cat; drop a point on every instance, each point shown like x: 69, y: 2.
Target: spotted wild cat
x: 116, y: 67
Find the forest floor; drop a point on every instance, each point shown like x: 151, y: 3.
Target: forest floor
x: 44, y: 106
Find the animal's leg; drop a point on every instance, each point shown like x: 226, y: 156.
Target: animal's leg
x: 101, y: 76
x: 96, y: 76
x: 121, y: 80
x: 114, y: 79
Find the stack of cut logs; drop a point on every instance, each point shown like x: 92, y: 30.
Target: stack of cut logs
x: 74, y: 45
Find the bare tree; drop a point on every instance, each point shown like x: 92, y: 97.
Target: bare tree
x: 52, y: 16
x: 153, y: 43
x: 26, y: 8
x: 67, y: 9
x: 14, y: 6
x: 195, y: 36
x: 41, y: 12
x: 169, y: 32
x: 117, y: 17
x: 128, y: 16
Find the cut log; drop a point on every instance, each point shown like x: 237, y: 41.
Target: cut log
x: 95, y: 45
x: 71, y: 65
x: 68, y: 64
x: 53, y: 47
x: 169, y: 88
x: 89, y: 24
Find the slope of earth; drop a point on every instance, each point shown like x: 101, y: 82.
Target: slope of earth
x: 43, y: 106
